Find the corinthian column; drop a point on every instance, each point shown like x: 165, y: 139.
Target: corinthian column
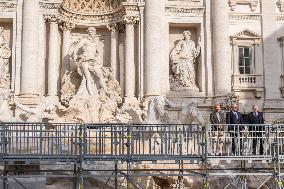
x: 66, y: 35
x: 113, y: 48
x: 53, y: 58
x: 129, y: 59
x: 153, y: 29
x: 222, y: 61
x: 30, y: 48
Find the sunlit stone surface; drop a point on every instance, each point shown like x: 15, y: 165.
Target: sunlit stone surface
x: 119, y: 61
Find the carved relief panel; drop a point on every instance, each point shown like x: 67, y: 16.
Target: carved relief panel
x: 91, y: 6
x: 5, y: 55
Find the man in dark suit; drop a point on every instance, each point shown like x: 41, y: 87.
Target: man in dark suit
x: 256, y: 117
x: 234, y: 118
x: 217, y: 119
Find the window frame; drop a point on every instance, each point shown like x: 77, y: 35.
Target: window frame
x: 250, y: 57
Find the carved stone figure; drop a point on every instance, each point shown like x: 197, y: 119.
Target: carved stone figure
x: 5, y: 54
x: 156, y: 111
x: 90, y: 88
x: 189, y: 112
x: 183, y: 58
x: 85, y: 53
x: 5, y: 112
x: 45, y: 109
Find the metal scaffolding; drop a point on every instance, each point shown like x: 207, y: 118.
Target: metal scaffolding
x: 80, y: 148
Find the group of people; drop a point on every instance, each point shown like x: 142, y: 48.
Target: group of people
x: 235, y: 120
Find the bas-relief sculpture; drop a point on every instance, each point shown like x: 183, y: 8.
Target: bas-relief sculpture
x: 5, y: 92
x: 5, y: 54
x: 183, y: 58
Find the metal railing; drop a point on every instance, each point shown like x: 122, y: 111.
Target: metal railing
x: 138, y: 142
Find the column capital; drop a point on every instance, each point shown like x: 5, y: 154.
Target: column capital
x: 113, y: 27
x: 130, y: 20
x: 66, y: 26
x: 50, y: 18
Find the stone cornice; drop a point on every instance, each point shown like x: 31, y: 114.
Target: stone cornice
x: 184, y: 11
x: 245, y: 17
x: 8, y: 6
x: 49, y: 5
x: 189, y: 3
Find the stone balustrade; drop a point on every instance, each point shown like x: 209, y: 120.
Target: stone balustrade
x: 248, y: 81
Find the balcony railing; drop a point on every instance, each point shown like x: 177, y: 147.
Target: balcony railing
x: 247, y: 81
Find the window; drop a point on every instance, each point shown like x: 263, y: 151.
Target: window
x: 245, y: 60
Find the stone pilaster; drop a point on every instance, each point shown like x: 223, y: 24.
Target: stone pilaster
x: 141, y: 52
x: 153, y: 30
x: 221, y: 47
x: 129, y: 58
x: 30, y: 48
x: 272, y: 61
x: 53, y: 58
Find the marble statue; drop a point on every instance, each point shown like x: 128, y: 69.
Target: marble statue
x: 85, y: 53
x: 5, y: 112
x: 46, y: 109
x: 91, y: 88
x: 5, y: 54
x: 156, y: 111
x: 189, y: 112
x: 183, y: 58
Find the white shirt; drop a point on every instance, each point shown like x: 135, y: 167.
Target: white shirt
x: 218, y: 116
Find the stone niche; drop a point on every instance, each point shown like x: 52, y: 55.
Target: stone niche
x: 177, y: 37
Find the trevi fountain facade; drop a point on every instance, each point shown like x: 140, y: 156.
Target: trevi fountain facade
x: 121, y: 53
x: 107, y: 61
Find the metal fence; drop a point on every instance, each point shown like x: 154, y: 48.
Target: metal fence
x: 138, y: 142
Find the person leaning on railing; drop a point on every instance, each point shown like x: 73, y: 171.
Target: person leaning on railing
x: 255, y: 117
x: 234, y: 118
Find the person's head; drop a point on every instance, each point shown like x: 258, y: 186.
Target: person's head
x: 254, y: 108
x: 217, y: 107
x: 92, y: 31
x: 234, y: 107
x: 186, y: 34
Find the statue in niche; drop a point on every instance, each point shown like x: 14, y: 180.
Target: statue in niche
x: 90, y: 88
x: 183, y: 58
x: 85, y: 54
x: 5, y: 54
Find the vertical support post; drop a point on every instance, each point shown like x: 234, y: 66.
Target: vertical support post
x: 5, y: 179
x: 79, y: 181
x: 128, y: 154
x: 115, y: 179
